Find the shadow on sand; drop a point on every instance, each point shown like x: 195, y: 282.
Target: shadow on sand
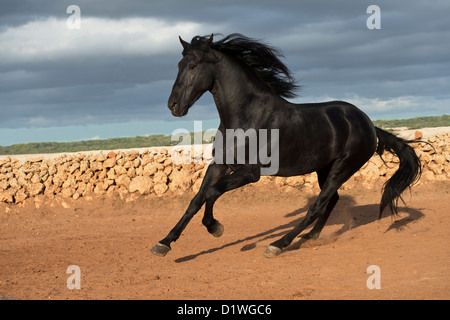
x: 346, y: 213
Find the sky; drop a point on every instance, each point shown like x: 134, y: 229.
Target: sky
x: 112, y: 77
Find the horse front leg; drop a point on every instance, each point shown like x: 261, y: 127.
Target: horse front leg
x: 239, y: 178
x: 214, y: 173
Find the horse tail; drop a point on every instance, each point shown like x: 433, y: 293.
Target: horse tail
x: 407, y: 174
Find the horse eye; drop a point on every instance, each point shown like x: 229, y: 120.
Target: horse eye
x: 191, y: 66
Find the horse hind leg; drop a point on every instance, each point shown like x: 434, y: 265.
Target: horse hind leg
x: 322, y: 176
x: 314, y: 212
x: 322, y: 220
x: 340, y: 171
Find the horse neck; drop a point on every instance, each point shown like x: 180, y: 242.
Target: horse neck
x: 235, y: 90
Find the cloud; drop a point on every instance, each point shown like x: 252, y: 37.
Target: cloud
x: 50, y: 39
x: 399, y: 107
x: 120, y: 66
x: 109, y: 70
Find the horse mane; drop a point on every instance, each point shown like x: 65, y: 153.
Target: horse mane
x: 259, y: 57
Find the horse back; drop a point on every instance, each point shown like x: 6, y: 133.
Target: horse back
x: 313, y: 135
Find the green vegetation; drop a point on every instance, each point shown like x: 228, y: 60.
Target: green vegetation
x: 106, y: 144
x: 415, y: 123
x: 165, y: 140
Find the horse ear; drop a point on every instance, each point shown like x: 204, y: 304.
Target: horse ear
x: 184, y: 43
x: 209, y: 42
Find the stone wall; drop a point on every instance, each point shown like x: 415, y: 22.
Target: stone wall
x: 175, y: 170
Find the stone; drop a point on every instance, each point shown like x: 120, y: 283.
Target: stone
x: 168, y: 162
x: 109, y: 163
x: 120, y: 170
x: 84, y: 165
x: 377, y: 161
x: 160, y: 158
x: 168, y: 170
x: 139, y: 171
x: 436, y: 168
x: 439, y: 159
x: 371, y: 171
x: 132, y: 155
x: 87, y: 176
x: 428, y: 176
x: 111, y: 174
x: 123, y: 180
x: 311, y: 178
x: 98, y: 189
x: 36, y: 188
x: 295, y: 181
x: 35, y: 178
x: 180, y: 179
x: 99, y: 157
x: 120, y: 161
x: 13, y: 183
x: 146, y: 160
x: 111, y: 154
x: 427, y: 147
x: 7, y: 196
x: 131, y: 172
x: 5, y: 161
x: 107, y: 183
x: 37, y: 159
x: 280, y: 181
x: 425, y: 157
x: 74, y: 167
x: 4, y: 184
x: 96, y: 166
x: 128, y: 164
x: 52, y: 170
x: 81, y: 187
x: 67, y: 192
x: 20, y: 195
x: 141, y: 184
x: 160, y: 177
x: 69, y: 182
x: 160, y: 188
x: 150, y: 169
x: 157, y: 171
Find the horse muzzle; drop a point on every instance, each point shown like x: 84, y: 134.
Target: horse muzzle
x: 174, y: 107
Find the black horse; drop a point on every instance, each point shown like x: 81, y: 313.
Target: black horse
x: 248, y: 82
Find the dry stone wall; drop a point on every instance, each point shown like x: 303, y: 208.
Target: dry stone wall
x: 175, y: 170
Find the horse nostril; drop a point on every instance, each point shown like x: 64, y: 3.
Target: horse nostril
x: 172, y: 106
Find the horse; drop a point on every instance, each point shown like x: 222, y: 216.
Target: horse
x: 250, y: 85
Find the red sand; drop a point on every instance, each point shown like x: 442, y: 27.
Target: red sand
x: 109, y: 239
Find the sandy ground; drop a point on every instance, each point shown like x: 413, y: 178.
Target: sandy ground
x: 109, y: 240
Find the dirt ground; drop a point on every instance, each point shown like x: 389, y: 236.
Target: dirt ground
x: 109, y: 240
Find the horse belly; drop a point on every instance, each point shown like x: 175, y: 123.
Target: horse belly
x: 304, y: 163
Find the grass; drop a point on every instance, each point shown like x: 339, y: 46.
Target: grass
x: 415, y: 123
x: 165, y: 140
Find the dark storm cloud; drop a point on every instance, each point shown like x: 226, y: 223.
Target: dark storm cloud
x: 120, y: 66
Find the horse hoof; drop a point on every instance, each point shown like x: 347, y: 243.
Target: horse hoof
x: 160, y: 249
x: 272, y: 252
x: 218, y: 232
